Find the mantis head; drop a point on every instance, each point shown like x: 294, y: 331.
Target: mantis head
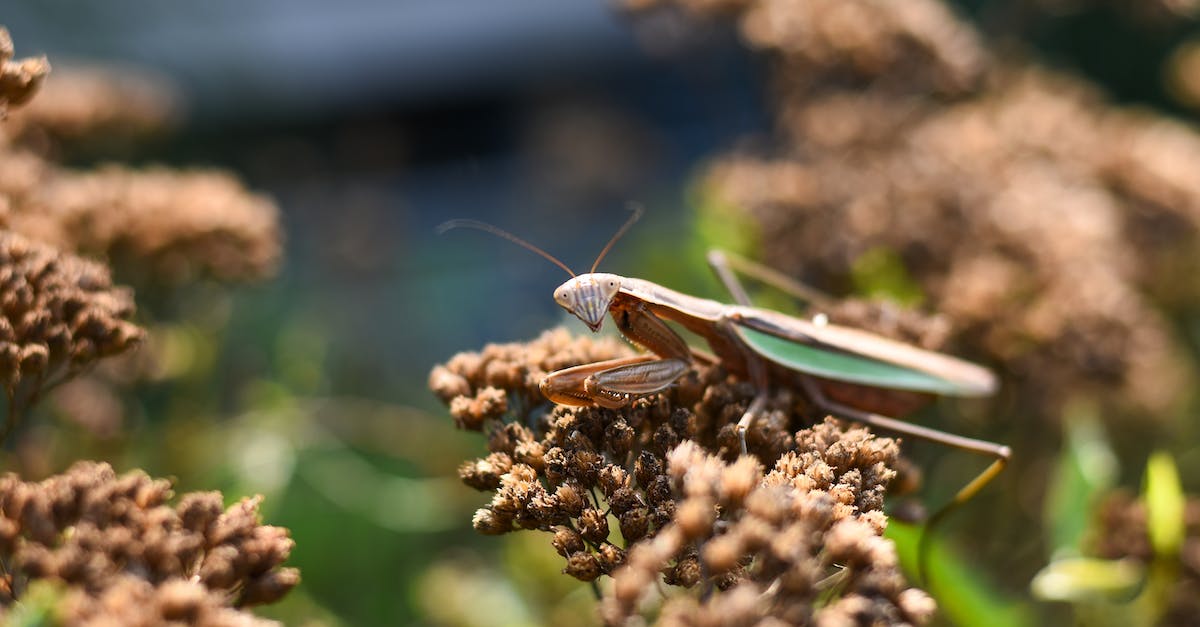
x: 588, y: 296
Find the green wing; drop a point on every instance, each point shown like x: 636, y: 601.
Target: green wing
x: 840, y: 366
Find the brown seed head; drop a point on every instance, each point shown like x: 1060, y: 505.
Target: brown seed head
x: 691, y: 510
x: 567, y: 541
x: 583, y: 566
x: 19, y: 80
x: 593, y: 524
x: 121, y: 550
x: 58, y: 314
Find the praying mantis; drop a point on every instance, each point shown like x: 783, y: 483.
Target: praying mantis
x: 844, y: 371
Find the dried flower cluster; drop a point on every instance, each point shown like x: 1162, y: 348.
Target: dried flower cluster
x: 110, y: 547
x: 76, y: 103
x: 127, y: 558
x: 1123, y: 533
x: 154, y: 224
x: 171, y: 225
x: 58, y: 315
x: 477, y: 386
x: 180, y: 223
x: 18, y: 79
x: 911, y: 46
x: 131, y: 601
x: 800, y: 545
x: 660, y: 487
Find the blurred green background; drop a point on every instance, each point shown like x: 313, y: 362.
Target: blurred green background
x: 371, y: 122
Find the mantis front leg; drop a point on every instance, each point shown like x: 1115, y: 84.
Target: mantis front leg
x: 617, y: 382
x: 613, y: 383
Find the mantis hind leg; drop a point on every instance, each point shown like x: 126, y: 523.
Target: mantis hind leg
x: 758, y: 376
x: 999, y: 453
x: 726, y: 265
x: 617, y: 382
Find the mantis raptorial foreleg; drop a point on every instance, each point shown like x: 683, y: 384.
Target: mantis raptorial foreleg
x: 613, y: 383
x: 617, y: 382
x: 645, y: 329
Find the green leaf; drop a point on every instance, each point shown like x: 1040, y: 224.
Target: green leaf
x: 1085, y: 469
x: 721, y: 224
x: 37, y: 606
x: 963, y: 595
x: 1165, y: 503
x: 880, y: 273
x: 1078, y: 579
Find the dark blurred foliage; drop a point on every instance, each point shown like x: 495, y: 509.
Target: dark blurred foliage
x: 369, y: 123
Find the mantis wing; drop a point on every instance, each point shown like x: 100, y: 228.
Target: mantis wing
x: 853, y: 356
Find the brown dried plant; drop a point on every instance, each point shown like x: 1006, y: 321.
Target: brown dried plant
x: 18, y: 79
x: 123, y: 556
x: 657, y: 493
x: 181, y: 224
x: 110, y: 548
x: 78, y: 102
x: 59, y: 314
x: 156, y: 225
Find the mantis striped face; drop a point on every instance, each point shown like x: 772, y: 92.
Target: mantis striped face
x: 588, y: 297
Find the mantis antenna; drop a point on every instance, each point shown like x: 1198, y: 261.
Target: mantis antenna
x: 637, y: 213
x: 484, y: 226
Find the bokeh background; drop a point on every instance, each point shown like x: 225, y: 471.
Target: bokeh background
x: 370, y: 123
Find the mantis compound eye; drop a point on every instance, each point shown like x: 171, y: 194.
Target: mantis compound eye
x: 563, y: 298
